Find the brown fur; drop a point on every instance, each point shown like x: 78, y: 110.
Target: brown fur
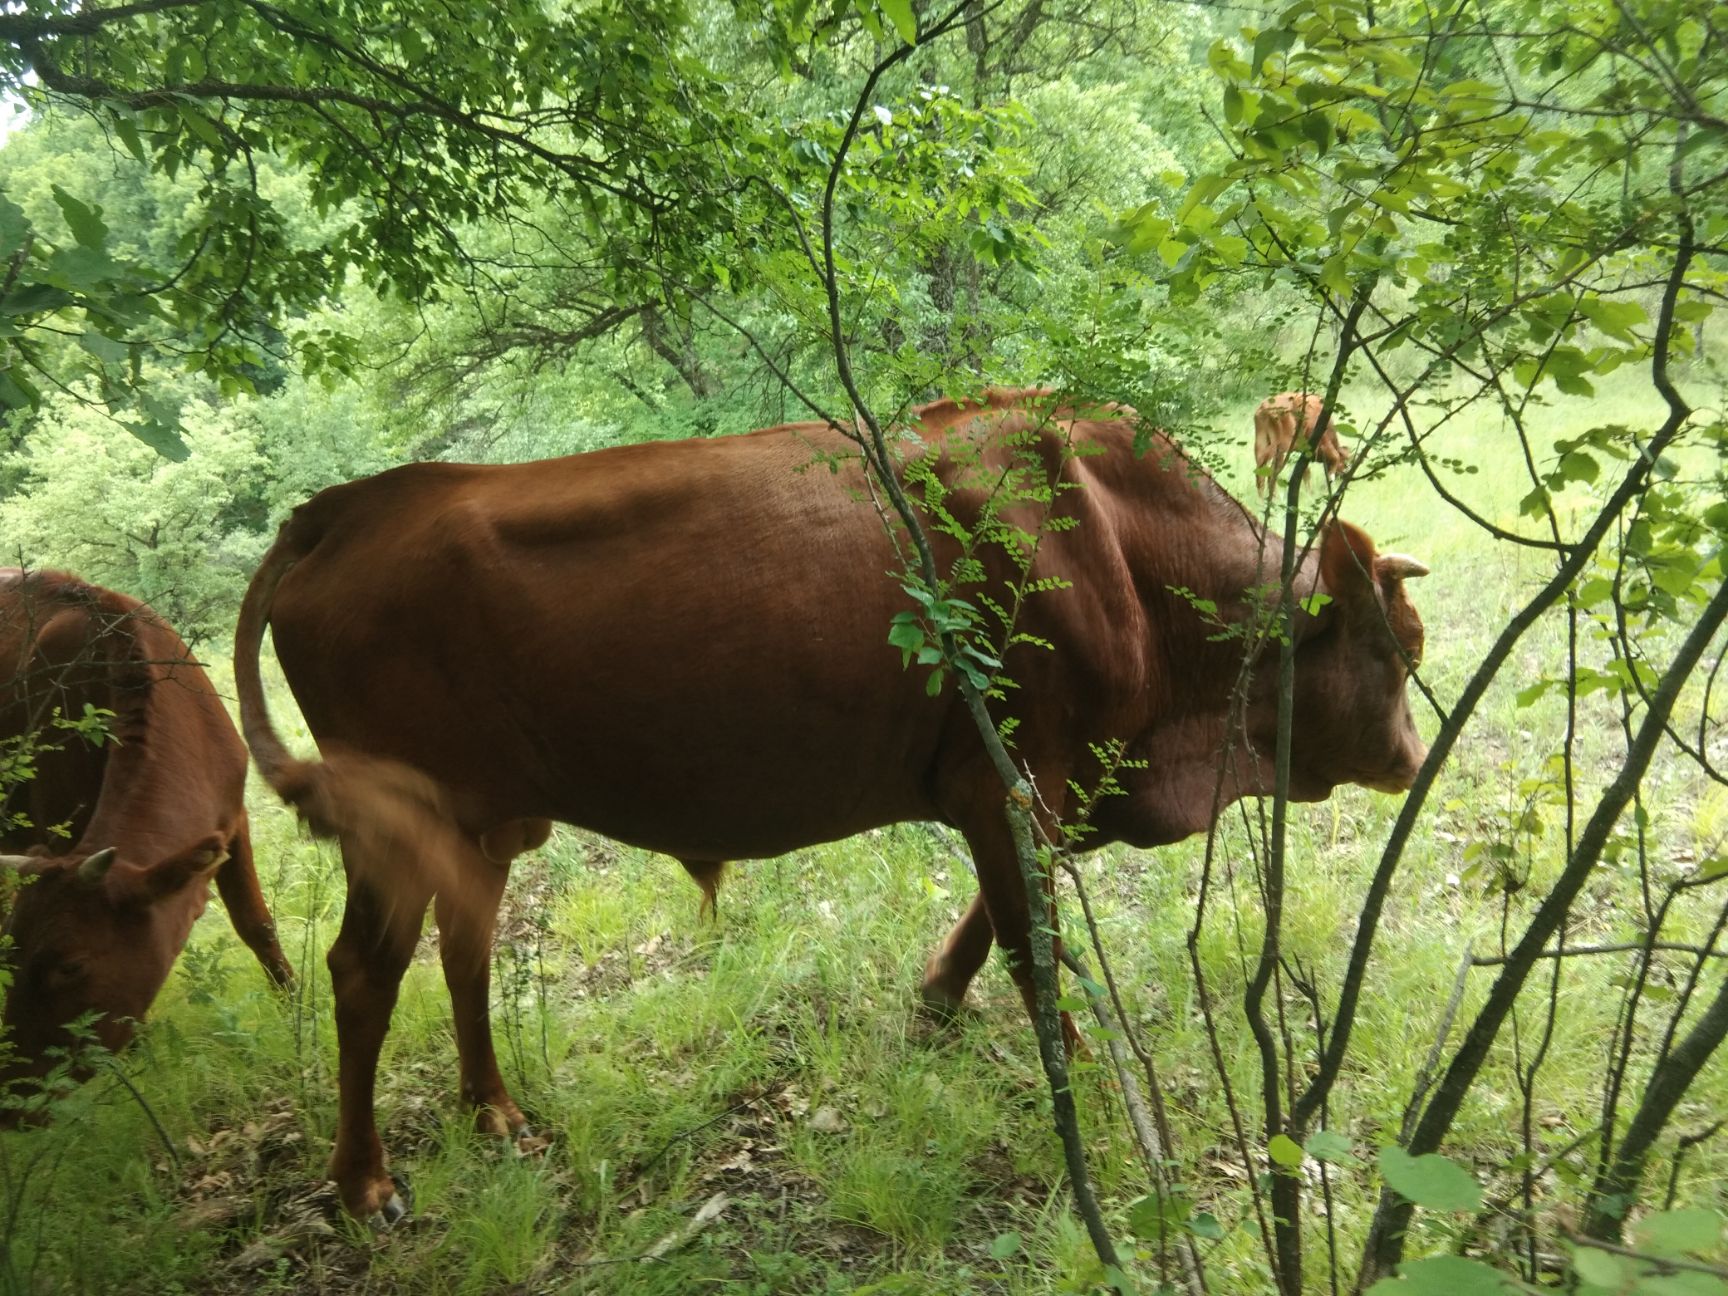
x: 165, y: 793
x: 1277, y: 424
x: 682, y: 645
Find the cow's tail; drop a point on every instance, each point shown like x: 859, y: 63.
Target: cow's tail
x: 285, y: 774
x: 394, y: 822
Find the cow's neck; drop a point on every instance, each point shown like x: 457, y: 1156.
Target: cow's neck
x: 1202, y: 747
x: 146, y: 792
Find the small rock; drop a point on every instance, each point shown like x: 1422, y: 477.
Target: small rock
x: 825, y: 1120
x: 264, y: 1251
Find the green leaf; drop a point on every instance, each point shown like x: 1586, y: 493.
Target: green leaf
x: 1535, y: 504
x: 160, y: 437
x: 1206, y: 1225
x: 1431, y: 1180
x: 907, y: 635
x: 1528, y: 696
x: 1599, y: 1268
x: 1232, y: 104
x: 1333, y: 276
x: 1615, y: 318
x: 85, y: 222
x: 1004, y: 1245
x: 128, y: 134
x: 1153, y: 1218
x: 35, y: 297
x: 1274, y: 40
x: 1445, y: 1275
x: 82, y: 268
x: 1639, y: 538
x: 104, y: 348
x: 14, y: 224
x: 1677, y: 1232
x: 872, y: 20
x: 201, y: 126
x: 905, y: 22
x: 1317, y: 128
x: 1285, y: 1151
x: 1331, y: 1147
x: 17, y: 391
x: 1579, y: 466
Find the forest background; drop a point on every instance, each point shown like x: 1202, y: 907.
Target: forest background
x: 253, y: 249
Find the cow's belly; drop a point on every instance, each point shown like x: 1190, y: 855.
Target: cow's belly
x: 670, y: 776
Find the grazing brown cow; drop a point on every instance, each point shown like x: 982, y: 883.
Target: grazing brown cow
x: 1278, y: 422
x: 682, y: 645
x: 152, y: 813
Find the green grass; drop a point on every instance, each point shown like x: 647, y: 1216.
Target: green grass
x: 774, y: 1057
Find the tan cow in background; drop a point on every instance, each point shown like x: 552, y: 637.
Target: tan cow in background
x: 1278, y: 422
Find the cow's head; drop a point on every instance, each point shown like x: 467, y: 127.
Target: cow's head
x: 93, y: 935
x: 1352, y: 720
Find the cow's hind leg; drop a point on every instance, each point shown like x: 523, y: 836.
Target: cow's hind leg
x: 465, y: 931
x: 237, y: 884
x: 367, y: 961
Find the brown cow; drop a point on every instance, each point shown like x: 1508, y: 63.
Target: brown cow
x: 1278, y: 422
x: 682, y: 645
x: 152, y: 813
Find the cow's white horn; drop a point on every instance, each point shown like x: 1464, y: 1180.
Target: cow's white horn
x: 95, y: 867
x: 1403, y: 566
x: 17, y: 861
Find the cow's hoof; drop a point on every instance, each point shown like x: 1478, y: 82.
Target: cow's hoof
x: 395, y: 1208
x: 529, y: 1145
x: 944, y: 1010
x: 506, y: 1123
x: 381, y: 1202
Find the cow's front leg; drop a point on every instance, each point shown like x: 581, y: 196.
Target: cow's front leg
x: 237, y: 884
x: 956, y: 961
x: 366, y: 965
x: 465, y: 928
x: 1002, y: 891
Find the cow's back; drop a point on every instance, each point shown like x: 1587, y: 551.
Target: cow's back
x: 49, y: 665
x: 65, y: 645
x: 649, y: 640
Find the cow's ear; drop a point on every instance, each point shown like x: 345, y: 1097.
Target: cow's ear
x: 171, y: 875
x: 1347, y: 562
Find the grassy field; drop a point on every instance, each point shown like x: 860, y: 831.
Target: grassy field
x: 751, y: 1106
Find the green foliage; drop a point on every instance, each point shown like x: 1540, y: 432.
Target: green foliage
x: 1447, y: 1276
x: 405, y: 150
x: 1331, y: 1147
x: 1644, y: 1269
x: 21, y: 753
x: 1285, y: 1151
x: 922, y: 633
x: 181, y: 534
x: 1384, y: 161
x: 1430, y: 1180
